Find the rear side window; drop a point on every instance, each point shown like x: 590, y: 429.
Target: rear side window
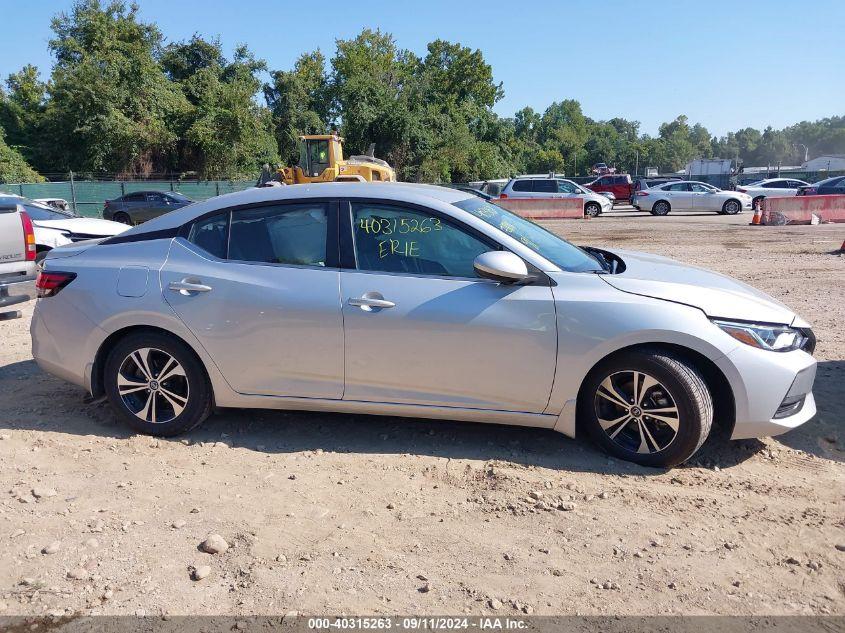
x: 545, y: 186
x: 135, y: 197
x: 522, y: 185
x: 211, y: 234
x: 283, y: 234
x: 678, y: 187
x: 396, y: 239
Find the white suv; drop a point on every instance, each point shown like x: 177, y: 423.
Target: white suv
x: 532, y: 187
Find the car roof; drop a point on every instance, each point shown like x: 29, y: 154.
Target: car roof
x: 399, y: 192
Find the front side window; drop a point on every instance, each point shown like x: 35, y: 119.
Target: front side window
x: 280, y: 234
x: 558, y: 251
x: 396, y: 239
x: 699, y: 187
x: 565, y: 187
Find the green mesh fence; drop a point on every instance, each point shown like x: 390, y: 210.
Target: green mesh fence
x: 89, y: 196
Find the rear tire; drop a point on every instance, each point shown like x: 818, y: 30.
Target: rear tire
x: 661, y: 207
x: 157, y: 385
x: 123, y: 218
x: 665, y: 384
x: 592, y: 209
x: 731, y: 207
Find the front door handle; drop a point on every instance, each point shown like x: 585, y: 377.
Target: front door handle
x: 371, y: 300
x: 188, y: 287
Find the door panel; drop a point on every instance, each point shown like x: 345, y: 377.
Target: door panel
x: 271, y: 329
x: 449, y: 342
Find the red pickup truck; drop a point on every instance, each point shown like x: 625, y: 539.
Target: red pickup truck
x: 620, y: 185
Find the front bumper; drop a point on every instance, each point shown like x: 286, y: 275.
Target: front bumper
x: 16, y: 290
x: 772, y: 391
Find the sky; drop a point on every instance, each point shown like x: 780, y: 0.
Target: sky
x: 727, y: 65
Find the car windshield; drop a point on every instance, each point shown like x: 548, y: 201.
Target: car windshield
x: 545, y: 243
x: 179, y: 197
x: 37, y: 211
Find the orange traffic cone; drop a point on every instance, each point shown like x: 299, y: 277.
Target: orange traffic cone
x: 757, y: 220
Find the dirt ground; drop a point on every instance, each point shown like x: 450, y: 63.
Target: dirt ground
x: 366, y: 515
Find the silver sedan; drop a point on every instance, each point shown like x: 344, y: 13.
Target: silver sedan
x: 690, y: 195
x: 410, y: 300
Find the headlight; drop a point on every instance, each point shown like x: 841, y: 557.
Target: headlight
x: 775, y: 338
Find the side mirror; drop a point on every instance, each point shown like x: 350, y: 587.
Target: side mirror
x: 501, y: 266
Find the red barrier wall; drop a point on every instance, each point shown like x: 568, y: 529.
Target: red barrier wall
x: 543, y: 208
x: 800, y: 209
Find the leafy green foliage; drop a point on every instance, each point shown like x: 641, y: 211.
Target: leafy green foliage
x: 119, y: 100
x: 13, y: 166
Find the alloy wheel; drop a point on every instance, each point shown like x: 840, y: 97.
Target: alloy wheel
x: 637, y: 412
x: 731, y: 207
x: 153, y: 385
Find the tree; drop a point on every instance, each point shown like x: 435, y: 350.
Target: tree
x: 299, y: 101
x: 13, y: 166
x: 226, y: 133
x: 111, y: 107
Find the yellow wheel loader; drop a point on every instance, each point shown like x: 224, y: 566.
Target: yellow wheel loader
x: 321, y: 160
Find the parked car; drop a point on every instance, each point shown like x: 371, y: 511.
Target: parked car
x: 56, y: 228
x: 57, y: 203
x: 17, y: 257
x: 690, y: 195
x: 649, y: 182
x: 417, y: 301
x: 600, y: 169
x: 827, y: 187
x: 780, y: 187
x: 620, y: 185
x: 140, y: 206
x: 545, y: 187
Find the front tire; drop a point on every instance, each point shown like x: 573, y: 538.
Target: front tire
x: 647, y: 406
x: 157, y: 385
x: 592, y: 209
x: 661, y: 207
x: 731, y: 207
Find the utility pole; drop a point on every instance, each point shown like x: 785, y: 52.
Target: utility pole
x: 637, y: 163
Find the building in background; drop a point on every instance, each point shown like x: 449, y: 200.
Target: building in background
x: 825, y: 162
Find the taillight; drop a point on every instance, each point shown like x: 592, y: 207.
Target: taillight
x: 48, y: 283
x: 502, y: 196
x: 28, y: 237
x: 642, y: 193
x: 741, y: 190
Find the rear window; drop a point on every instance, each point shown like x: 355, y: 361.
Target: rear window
x: 522, y: 185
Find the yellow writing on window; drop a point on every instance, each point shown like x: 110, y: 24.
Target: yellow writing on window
x: 402, y: 248
x: 401, y: 226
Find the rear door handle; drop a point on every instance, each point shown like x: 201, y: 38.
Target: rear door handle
x: 371, y: 300
x: 187, y: 287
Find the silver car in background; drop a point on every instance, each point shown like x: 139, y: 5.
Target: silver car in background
x: 690, y: 195
x: 552, y: 187
x: 422, y: 301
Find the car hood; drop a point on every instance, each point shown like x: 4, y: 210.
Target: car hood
x: 93, y: 227
x: 718, y: 296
